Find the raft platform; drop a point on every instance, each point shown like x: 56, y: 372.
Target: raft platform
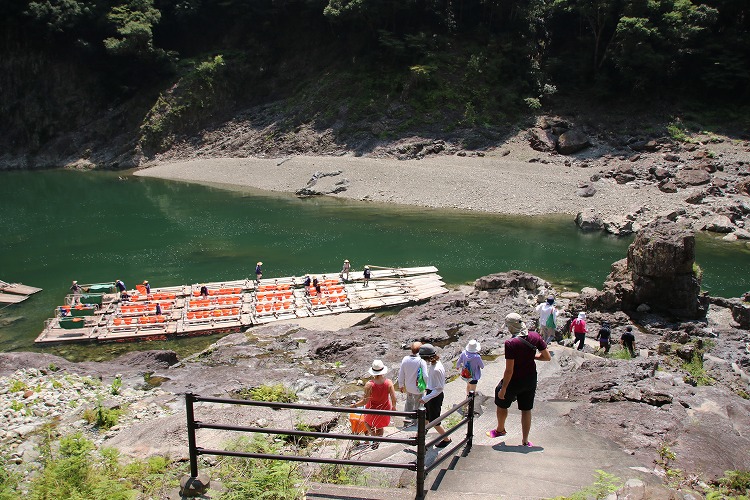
x: 13, y: 293
x: 231, y: 306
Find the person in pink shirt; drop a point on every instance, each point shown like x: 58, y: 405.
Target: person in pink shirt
x: 579, y: 330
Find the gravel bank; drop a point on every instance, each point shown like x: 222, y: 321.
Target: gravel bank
x: 498, y: 182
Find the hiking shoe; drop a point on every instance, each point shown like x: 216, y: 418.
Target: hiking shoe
x: 443, y: 444
x: 494, y: 434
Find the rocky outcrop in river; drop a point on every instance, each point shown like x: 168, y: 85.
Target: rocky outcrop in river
x: 659, y: 273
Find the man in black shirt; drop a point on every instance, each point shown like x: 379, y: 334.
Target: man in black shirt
x: 603, y: 337
x: 628, y: 340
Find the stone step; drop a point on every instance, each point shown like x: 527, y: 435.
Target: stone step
x: 321, y: 491
x: 529, y: 482
x: 504, y: 461
x: 535, y: 472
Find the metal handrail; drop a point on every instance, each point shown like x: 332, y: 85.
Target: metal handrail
x: 419, y: 440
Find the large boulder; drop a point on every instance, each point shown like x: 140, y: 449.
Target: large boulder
x: 658, y: 272
x: 661, y: 261
x: 572, y: 141
x: 512, y: 280
x: 589, y: 220
x: 719, y: 224
x: 542, y: 140
x: 741, y: 314
x: 693, y: 177
x: 662, y: 249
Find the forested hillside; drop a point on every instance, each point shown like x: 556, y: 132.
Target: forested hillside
x: 117, y: 79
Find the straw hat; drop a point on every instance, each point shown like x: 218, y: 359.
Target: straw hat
x: 367, y: 267
x: 145, y: 281
x: 473, y: 346
x: 346, y: 260
x: 260, y: 263
x: 378, y: 368
x: 515, y: 324
x: 75, y: 282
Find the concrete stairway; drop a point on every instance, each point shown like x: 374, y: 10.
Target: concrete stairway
x: 564, y: 459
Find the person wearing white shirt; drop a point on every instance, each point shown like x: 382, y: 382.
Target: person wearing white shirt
x: 407, y: 379
x: 433, y: 398
x: 547, y: 327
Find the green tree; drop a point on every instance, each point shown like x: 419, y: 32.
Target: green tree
x: 60, y: 15
x: 134, y: 22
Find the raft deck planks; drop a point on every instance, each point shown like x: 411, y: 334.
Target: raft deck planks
x: 233, y: 306
x: 18, y: 288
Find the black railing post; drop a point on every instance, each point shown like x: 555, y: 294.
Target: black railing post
x: 470, y: 423
x: 189, y: 399
x: 421, y: 449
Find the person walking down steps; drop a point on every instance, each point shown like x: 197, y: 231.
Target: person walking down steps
x: 470, y: 364
x: 379, y: 395
x: 433, y: 399
x: 522, y: 351
x: 547, y: 319
x: 578, y: 329
x: 605, y: 332
x: 412, y: 366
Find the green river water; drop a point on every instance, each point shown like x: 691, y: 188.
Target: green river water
x: 57, y: 226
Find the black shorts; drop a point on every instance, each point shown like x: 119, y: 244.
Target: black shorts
x: 522, y: 390
x: 434, y: 406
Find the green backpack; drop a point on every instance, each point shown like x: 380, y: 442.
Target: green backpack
x: 421, y: 384
x: 551, y: 320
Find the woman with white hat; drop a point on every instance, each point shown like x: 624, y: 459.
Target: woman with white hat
x: 379, y: 395
x: 470, y: 365
x: 579, y: 330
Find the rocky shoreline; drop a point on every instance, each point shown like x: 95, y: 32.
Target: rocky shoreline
x: 612, y: 181
x: 642, y: 404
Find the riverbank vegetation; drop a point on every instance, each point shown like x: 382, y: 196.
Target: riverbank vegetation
x: 143, y: 73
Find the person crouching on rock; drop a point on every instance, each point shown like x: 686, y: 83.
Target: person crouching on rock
x: 379, y: 395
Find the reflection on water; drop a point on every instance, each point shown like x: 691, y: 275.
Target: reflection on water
x: 58, y: 226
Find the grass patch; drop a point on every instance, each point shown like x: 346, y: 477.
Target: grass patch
x: 696, y: 373
x: 734, y: 485
x: 697, y: 271
x: 9, y: 481
x: 72, y: 468
x: 677, y: 132
x: 277, y: 393
x: 104, y: 418
x: 256, y: 478
x: 452, y: 421
x: 603, y: 486
x: 620, y: 354
x: 340, y: 474
x: 17, y: 386
x: 69, y: 471
x: 114, y: 389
